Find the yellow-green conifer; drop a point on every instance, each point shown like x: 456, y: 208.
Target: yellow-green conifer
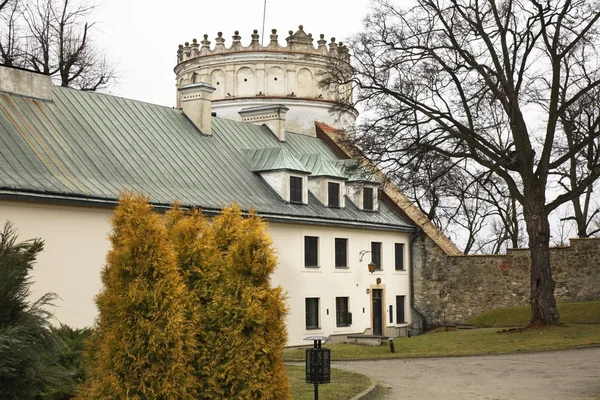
x: 143, y: 341
x: 243, y: 324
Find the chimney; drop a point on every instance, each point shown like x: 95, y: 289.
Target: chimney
x: 25, y: 83
x: 196, y: 104
x: 271, y: 115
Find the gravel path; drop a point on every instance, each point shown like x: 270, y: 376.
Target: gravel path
x: 571, y: 374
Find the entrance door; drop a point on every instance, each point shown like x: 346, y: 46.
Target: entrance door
x: 377, y: 312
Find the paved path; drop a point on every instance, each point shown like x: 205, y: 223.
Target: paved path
x: 571, y: 374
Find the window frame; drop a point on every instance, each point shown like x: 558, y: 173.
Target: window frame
x: 368, y: 205
x: 376, y: 255
x: 343, y: 316
x: 336, y: 192
x: 399, y: 257
x: 309, y: 317
x: 400, y: 314
x: 295, y: 191
x: 311, y: 253
x: 337, y: 262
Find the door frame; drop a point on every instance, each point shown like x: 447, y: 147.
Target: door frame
x: 383, y: 315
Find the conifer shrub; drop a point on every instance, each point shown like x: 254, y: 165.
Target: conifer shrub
x: 143, y: 342
x: 70, y: 359
x: 241, y: 334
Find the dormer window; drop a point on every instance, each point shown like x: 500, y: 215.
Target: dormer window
x: 368, y: 199
x: 295, y: 189
x: 333, y: 194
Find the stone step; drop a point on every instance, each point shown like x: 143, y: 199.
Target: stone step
x: 460, y: 327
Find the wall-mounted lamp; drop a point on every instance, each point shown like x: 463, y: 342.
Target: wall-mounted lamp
x: 371, y: 265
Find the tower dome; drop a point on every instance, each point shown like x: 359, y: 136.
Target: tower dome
x: 255, y: 75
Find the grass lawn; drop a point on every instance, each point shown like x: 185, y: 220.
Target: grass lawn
x: 584, y: 312
x: 470, y: 342
x: 344, y: 385
x: 582, y: 329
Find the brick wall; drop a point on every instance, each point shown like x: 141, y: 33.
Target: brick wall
x: 452, y: 289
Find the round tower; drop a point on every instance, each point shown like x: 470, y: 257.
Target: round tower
x: 256, y: 75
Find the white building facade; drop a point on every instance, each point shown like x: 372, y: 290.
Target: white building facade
x: 327, y: 299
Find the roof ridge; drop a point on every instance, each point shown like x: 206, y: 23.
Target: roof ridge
x: 95, y: 93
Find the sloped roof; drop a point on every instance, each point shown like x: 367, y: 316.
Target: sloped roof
x: 321, y: 167
x: 87, y: 147
x: 342, y: 148
x: 274, y: 159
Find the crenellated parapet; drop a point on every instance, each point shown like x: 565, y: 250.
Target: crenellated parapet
x: 298, y: 42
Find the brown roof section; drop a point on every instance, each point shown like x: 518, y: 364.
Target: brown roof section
x: 334, y: 138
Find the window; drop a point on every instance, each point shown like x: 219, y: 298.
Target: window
x: 295, y: 189
x: 368, y: 198
x: 391, y: 313
x: 399, y: 254
x: 400, y: 309
x: 333, y: 194
x: 342, y: 316
x: 312, y: 312
x: 341, y: 251
x: 376, y: 254
x: 311, y: 251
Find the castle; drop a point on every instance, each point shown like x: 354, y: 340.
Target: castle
x: 252, y: 127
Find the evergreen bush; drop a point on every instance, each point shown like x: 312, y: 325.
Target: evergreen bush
x: 143, y: 342
x: 241, y: 334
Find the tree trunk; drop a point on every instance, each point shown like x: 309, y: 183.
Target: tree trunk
x: 543, y: 303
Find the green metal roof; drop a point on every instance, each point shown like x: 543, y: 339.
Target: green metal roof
x: 319, y: 166
x: 274, y: 159
x: 88, y: 147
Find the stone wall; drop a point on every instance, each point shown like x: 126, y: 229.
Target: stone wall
x: 452, y: 289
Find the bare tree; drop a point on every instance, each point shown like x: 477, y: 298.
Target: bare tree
x: 56, y: 41
x: 483, y: 83
x: 581, y: 119
x: 10, y: 52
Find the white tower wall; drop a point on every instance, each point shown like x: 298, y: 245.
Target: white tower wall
x: 264, y: 75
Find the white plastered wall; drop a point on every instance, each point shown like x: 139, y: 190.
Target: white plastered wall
x: 75, y: 247
x: 319, y: 187
x: 328, y: 282
x: 280, y: 182
x: 76, y: 243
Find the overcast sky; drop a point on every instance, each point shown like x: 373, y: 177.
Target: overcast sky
x: 142, y: 35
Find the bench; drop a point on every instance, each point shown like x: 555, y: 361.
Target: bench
x: 366, y: 340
